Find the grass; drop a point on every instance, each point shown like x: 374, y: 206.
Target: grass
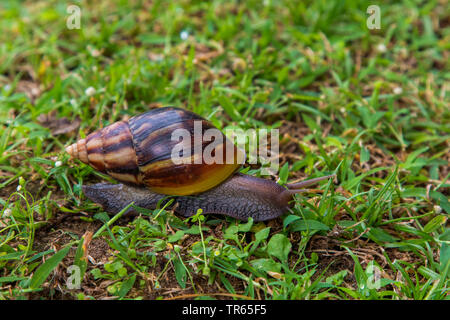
x: 370, y: 105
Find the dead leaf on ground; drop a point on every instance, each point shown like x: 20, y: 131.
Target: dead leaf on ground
x: 57, y: 125
x: 30, y: 88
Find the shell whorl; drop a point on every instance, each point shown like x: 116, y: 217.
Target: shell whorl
x: 109, y: 150
x: 139, y: 151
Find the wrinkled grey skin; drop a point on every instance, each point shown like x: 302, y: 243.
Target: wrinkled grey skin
x: 235, y: 197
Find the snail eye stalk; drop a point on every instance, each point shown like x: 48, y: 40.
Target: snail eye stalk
x: 294, y: 188
x: 309, y: 182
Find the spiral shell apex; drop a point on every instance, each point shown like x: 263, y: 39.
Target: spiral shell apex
x: 141, y: 151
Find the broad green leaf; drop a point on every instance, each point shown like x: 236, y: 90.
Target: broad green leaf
x: 226, y: 283
x: 41, y: 274
x: 337, y: 278
x: 412, y: 157
x: 126, y: 286
x: 364, y: 155
x: 428, y: 273
x: 113, y: 266
x: 279, y: 246
x: 446, y: 235
x: 79, y: 258
x: 195, y: 229
x: 310, y: 123
x: 11, y: 279
x: 266, y: 265
x: 284, y: 173
x: 289, y: 219
x: 245, y: 227
x: 307, y: 225
x: 435, y: 223
x: 262, y: 234
x: 180, y: 272
x: 12, y: 256
x: 177, y: 236
x: 229, y: 108
x: 444, y: 256
x: 378, y: 234
x: 231, y: 230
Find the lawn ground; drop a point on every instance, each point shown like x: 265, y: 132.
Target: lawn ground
x: 371, y: 105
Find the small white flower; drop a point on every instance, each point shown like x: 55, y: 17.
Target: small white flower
x: 58, y: 163
x: 73, y: 102
x: 94, y: 52
x: 398, y: 90
x: 7, y: 213
x: 90, y: 91
x: 19, y: 187
x: 381, y: 48
x: 217, y: 253
x: 437, y: 209
x: 35, y: 91
x: 342, y: 110
x: 184, y: 35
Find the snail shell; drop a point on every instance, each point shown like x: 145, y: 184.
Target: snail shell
x: 140, y: 152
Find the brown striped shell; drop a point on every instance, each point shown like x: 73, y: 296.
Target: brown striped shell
x: 139, y: 152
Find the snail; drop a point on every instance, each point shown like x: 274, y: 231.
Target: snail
x: 140, y: 154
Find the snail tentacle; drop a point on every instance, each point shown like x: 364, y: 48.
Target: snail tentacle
x: 306, y: 183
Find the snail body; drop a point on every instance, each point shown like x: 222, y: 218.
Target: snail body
x: 236, y: 197
x: 139, y: 153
